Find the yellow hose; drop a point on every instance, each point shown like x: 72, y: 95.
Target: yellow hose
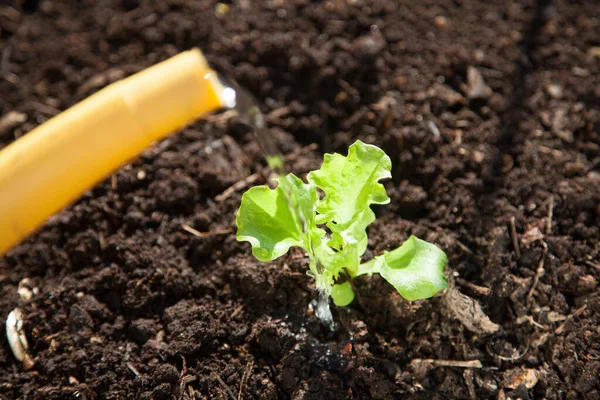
x: 52, y: 165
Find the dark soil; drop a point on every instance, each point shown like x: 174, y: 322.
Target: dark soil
x: 489, y: 111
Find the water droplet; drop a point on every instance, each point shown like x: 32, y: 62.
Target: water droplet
x: 229, y: 97
x: 323, y: 312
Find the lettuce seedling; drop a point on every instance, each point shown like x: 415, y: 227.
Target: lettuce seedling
x: 332, y: 229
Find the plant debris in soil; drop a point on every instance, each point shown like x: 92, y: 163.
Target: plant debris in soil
x: 490, y: 114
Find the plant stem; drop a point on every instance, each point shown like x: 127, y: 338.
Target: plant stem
x: 370, y: 267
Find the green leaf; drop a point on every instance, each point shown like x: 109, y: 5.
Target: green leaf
x: 302, y: 199
x: 274, y: 162
x: 354, y: 234
x: 334, y: 261
x: 351, y: 185
x: 415, y: 269
x: 273, y: 220
x: 342, y: 294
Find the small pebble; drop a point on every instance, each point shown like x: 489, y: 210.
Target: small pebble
x: 441, y: 22
x: 555, y: 91
x: 368, y: 47
x: 586, y: 284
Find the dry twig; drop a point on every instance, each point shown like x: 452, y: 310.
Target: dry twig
x: 513, y: 235
x: 468, y: 377
x: 238, y: 186
x: 449, y: 363
x: 592, y: 264
x: 197, y: 233
x: 550, y: 215
x: 221, y: 117
x: 227, y: 388
x: 133, y: 369
x: 463, y: 247
x: 244, y: 377
x: 45, y: 108
x: 529, y: 318
x: 513, y: 358
x: 538, y: 272
x: 237, y: 311
x: 577, y: 312
x: 482, y: 290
